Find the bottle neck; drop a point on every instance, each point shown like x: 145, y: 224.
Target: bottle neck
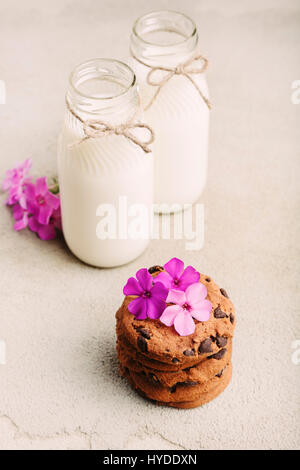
x: 164, y: 38
x: 103, y: 89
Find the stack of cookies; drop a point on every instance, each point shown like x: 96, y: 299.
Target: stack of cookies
x: 174, y: 370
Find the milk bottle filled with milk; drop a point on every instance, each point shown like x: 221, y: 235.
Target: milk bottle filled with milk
x: 105, y: 165
x: 174, y: 94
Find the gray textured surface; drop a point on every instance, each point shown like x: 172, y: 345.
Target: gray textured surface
x: 60, y: 387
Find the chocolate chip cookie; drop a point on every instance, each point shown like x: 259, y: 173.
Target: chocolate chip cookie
x: 174, y: 370
x: 162, y: 343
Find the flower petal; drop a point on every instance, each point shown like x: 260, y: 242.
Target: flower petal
x: 164, y: 278
x: 169, y: 315
x: 155, y: 307
x: 159, y: 291
x: 52, y: 201
x: 32, y: 207
x: 14, y: 195
x: 22, y: 223
x: 18, y: 212
x: 33, y: 224
x: 27, y: 165
x: 184, y: 324
x: 29, y: 191
x: 188, y: 277
x: 41, y: 185
x: 202, y: 311
x: 45, y: 213
x: 138, y: 307
x: 22, y: 201
x: 46, y: 232
x: 174, y: 267
x: 132, y: 287
x: 145, y: 279
x: 6, y: 184
x: 176, y: 297
x: 195, y: 293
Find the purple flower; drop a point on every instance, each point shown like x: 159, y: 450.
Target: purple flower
x: 34, y: 204
x: 176, y: 277
x: 40, y: 201
x: 46, y: 232
x: 151, y: 299
x: 21, y: 217
x: 15, y: 181
x: 187, y: 305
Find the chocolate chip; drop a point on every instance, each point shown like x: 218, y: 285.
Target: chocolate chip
x: 174, y: 360
x: 231, y: 318
x: 189, y: 352
x: 144, y: 332
x: 208, y: 279
x: 153, y: 378
x: 205, y: 346
x: 142, y: 344
x: 221, y: 372
x: 218, y: 313
x: 182, y: 384
x: 221, y: 341
x: 223, y: 292
x: 189, y: 384
x: 218, y: 355
x: 155, y: 269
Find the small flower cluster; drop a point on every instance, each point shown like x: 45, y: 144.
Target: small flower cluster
x: 179, y: 287
x: 34, y: 204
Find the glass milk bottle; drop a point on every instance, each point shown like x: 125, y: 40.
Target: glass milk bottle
x: 174, y: 96
x: 105, y: 165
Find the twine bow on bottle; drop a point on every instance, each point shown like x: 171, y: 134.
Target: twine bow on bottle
x: 94, y: 128
x: 186, y: 69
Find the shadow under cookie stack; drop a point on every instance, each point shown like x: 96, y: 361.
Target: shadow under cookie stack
x: 173, y: 370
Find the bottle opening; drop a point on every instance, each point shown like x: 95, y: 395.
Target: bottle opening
x: 163, y: 35
x: 102, y: 79
x: 164, y: 28
x: 103, y: 88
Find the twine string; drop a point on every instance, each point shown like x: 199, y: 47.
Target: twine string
x: 186, y: 69
x: 94, y: 128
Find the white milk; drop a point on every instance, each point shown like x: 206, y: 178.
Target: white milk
x: 100, y: 170
x: 178, y: 115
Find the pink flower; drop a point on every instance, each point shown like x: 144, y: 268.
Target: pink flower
x: 21, y: 216
x: 176, y: 277
x: 14, y: 182
x: 151, y: 299
x: 40, y: 201
x: 188, y: 305
x: 34, y: 205
x: 46, y: 232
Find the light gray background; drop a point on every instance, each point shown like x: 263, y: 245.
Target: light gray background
x: 60, y: 387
